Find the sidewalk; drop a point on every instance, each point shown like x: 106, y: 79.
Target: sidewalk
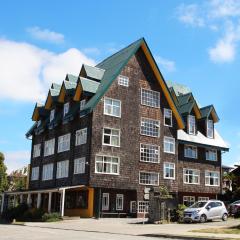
x: 134, y: 227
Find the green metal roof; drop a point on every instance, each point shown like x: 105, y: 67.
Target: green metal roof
x: 71, y: 78
x: 183, y: 99
x: 54, y: 92
x: 206, y: 111
x: 94, y: 72
x: 186, y: 108
x: 69, y: 85
x: 112, y: 66
x: 179, y: 89
x: 56, y: 86
x: 89, y: 85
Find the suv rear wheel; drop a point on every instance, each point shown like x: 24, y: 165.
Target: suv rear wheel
x: 203, y: 218
x: 224, y: 217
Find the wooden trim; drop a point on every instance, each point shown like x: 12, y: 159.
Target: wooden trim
x: 163, y: 85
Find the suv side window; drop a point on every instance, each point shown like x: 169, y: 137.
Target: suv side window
x: 211, y: 204
x: 218, y: 204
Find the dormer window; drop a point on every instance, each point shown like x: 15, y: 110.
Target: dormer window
x: 52, y: 113
x: 191, y: 125
x: 82, y: 104
x: 167, y: 117
x: 210, y: 128
x: 65, y: 108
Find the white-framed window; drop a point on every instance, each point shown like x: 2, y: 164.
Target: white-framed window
x: 111, y: 137
x: 123, y: 80
x: 149, y: 153
x: 81, y: 136
x: 150, y: 98
x: 149, y: 178
x: 188, y: 200
x: 212, y: 178
x: 62, y: 169
x: 112, y: 107
x: 169, y: 145
x: 79, y: 165
x: 64, y: 142
x: 105, y: 201
x: 211, y: 155
x: 191, y: 124
x: 119, y: 202
x: 107, y: 164
x: 150, y: 127
x: 52, y: 114
x: 65, y: 109
x: 39, y: 122
x: 82, y: 104
x: 169, y: 170
x: 35, y: 173
x: 190, y: 151
x: 47, y: 172
x: 203, y: 199
x: 143, y: 206
x: 49, y: 147
x: 167, y: 117
x: 191, y: 176
x: 37, y: 150
x: 210, y: 128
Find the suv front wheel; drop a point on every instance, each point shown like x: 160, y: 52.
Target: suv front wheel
x: 203, y: 218
x: 224, y: 217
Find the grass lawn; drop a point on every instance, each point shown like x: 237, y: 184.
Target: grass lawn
x: 230, y: 230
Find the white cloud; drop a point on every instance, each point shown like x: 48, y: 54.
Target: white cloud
x: 27, y: 71
x: 189, y: 14
x: 166, y: 64
x: 224, y: 51
x: 92, y: 50
x: 221, y: 17
x: 45, y: 35
x: 16, y: 159
x: 224, y: 8
x: 226, y: 47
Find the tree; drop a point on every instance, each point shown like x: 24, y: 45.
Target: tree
x: 3, y: 174
x: 18, y: 179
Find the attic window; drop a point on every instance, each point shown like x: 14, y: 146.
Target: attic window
x: 191, y: 125
x: 65, y: 108
x: 210, y: 128
x: 52, y: 113
x: 168, y: 117
x: 123, y: 80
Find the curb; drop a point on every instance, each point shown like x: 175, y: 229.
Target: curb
x: 185, y: 237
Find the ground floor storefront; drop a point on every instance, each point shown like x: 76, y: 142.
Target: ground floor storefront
x: 90, y: 202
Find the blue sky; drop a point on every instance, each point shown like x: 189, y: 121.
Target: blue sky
x: 195, y: 43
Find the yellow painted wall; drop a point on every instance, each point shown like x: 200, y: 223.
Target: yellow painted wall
x: 84, y: 213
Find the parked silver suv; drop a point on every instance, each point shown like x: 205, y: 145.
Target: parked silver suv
x: 205, y: 210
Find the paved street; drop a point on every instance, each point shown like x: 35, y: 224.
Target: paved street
x: 17, y: 232
x: 127, y: 229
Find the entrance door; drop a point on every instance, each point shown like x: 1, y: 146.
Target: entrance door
x: 133, y: 207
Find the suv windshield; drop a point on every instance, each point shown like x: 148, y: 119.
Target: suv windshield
x: 198, y: 205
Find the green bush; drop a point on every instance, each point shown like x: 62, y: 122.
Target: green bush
x: 34, y: 214
x: 180, y: 212
x: 51, y: 217
x: 14, y: 213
